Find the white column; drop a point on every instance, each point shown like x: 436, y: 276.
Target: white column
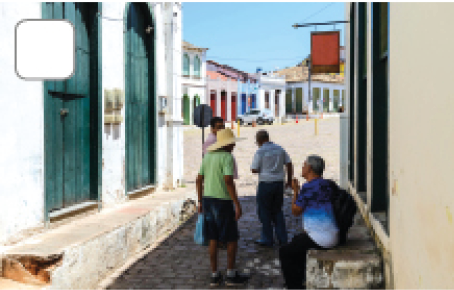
x: 218, y: 97
x: 272, y: 95
x: 228, y: 99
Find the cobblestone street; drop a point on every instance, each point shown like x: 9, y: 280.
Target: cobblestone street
x: 179, y: 263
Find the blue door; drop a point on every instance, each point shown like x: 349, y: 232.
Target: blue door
x: 253, y: 101
x: 243, y: 104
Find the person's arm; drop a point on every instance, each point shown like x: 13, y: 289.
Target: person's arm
x: 231, y: 188
x: 289, y: 166
x: 228, y: 170
x: 289, y: 174
x: 297, y: 210
x: 199, y: 184
x: 255, y: 166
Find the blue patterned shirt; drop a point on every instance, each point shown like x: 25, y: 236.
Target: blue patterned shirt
x: 318, y: 215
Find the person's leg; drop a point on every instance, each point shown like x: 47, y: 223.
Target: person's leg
x: 278, y: 214
x: 210, y: 230
x: 293, y: 260
x: 232, y: 248
x: 264, y: 213
x: 213, y: 255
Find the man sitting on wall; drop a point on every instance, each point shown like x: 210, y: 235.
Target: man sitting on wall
x: 313, y: 201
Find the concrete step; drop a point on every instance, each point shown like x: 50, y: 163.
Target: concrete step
x: 355, y: 265
x: 81, y: 254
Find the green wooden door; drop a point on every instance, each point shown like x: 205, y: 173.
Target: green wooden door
x: 326, y: 100
x: 315, y: 98
x: 71, y: 126
x: 140, y: 99
x: 336, y: 100
x: 288, y: 102
x: 186, y: 109
x: 299, y: 100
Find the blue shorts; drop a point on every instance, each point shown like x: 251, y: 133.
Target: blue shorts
x: 219, y: 220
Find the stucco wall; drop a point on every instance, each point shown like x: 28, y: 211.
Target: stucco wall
x: 22, y: 108
x: 421, y: 145
x: 22, y: 141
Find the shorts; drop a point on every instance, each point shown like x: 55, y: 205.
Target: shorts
x: 219, y: 220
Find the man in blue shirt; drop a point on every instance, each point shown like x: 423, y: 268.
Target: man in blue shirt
x: 269, y: 162
x: 320, y: 230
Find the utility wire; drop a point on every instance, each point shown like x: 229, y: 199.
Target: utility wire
x: 316, y: 13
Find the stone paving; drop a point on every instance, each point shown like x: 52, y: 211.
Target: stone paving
x: 178, y: 263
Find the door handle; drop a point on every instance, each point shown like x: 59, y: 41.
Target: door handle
x: 64, y: 112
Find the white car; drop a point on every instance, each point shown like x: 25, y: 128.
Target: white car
x: 261, y: 117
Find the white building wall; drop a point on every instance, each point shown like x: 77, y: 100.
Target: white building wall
x: 22, y: 108
x: 22, y: 141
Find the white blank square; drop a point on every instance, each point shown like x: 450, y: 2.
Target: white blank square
x: 45, y: 49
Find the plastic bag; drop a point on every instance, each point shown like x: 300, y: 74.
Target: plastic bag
x: 199, y: 238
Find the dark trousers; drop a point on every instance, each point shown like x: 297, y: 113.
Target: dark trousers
x: 270, y: 198
x: 293, y: 260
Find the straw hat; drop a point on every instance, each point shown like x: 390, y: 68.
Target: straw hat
x: 224, y: 137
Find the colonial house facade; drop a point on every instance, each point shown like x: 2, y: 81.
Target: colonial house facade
x: 271, y: 93
x: 327, y: 91
x: 231, y: 92
x: 395, y: 161
x: 193, y: 80
x: 122, y: 138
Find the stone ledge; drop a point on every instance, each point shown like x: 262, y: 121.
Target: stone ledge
x: 79, y: 255
x: 355, y: 265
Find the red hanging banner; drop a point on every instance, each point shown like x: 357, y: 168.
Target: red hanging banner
x: 325, y: 52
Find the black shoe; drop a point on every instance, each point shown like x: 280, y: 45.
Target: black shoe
x: 216, y: 281
x: 262, y: 244
x: 237, y: 280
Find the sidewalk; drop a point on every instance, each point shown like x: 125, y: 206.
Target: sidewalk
x: 80, y: 254
x: 179, y: 263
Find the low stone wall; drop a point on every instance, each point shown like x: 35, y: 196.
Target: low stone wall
x: 355, y: 265
x: 85, y: 265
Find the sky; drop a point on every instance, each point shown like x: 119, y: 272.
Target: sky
x: 257, y: 34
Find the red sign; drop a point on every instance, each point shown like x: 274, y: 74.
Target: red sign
x: 325, y: 52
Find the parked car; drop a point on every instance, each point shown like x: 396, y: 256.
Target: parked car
x: 261, y: 117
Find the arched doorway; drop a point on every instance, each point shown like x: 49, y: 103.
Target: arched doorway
x: 316, y: 100
x: 276, y: 103
x: 243, y: 103
x: 233, y: 110
x: 186, y: 109
x: 213, y: 102
x: 224, y: 105
x: 72, y: 128
x: 267, y: 100
x: 140, y: 97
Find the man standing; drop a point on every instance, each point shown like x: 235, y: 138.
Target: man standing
x: 220, y: 205
x: 320, y: 228
x: 269, y: 162
x: 216, y: 124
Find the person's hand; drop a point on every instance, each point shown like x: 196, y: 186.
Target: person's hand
x: 238, y: 212
x: 200, y: 210
x: 295, y: 184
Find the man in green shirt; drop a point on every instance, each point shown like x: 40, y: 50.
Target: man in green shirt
x: 220, y: 205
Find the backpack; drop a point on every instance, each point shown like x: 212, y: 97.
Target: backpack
x: 345, y: 208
